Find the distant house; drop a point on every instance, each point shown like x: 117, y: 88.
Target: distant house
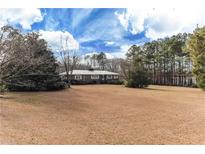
x: 92, y: 76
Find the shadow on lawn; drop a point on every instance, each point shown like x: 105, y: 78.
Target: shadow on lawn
x: 6, y: 97
x: 156, y: 89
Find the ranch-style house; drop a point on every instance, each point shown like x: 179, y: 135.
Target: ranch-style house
x: 92, y: 76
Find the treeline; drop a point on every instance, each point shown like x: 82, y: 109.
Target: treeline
x: 26, y: 62
x: 166, y: 60
x: 98, y: 61
x: 169, y: 61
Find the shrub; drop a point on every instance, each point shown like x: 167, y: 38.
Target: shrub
x: 2, y: 89
x: 36, y: 82
x: 138, y: 79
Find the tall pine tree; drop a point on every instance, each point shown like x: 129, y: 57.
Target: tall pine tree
x: 196, y: 48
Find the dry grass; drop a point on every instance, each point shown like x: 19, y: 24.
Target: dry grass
x: 104, y: 114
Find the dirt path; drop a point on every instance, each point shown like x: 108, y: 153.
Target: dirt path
x: 104, y: 114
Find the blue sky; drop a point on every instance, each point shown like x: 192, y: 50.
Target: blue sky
x: 112, y: 31
x: 95, y: 30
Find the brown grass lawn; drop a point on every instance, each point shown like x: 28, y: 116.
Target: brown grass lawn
x: 104, y: 114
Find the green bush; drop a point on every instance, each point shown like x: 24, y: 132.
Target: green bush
x: 36, y: 82
x: 201, y: 82
x: 2, y: 89
x: 138, y: 79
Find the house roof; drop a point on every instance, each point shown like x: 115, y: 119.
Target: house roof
x: 91, y: 72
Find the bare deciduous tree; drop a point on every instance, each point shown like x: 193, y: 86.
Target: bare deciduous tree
x: 69, y: 59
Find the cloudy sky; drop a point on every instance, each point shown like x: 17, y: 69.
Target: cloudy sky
x: 108, y: 30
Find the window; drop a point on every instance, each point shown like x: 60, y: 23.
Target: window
x: 94, y: 76
x: 78, y: 77
x: 115, y: 76
x: 109, y: 76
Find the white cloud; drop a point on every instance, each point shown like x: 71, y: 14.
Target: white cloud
x: 132, y: 20
x: 108, y: 43
x: 54, y: 39
x: 122, y: 53
x: 159, y: 23
x: 24, y: 17
x: 109, y: 55
x: 91, y: 53
x: 124, y: 48
x: 119, y: 54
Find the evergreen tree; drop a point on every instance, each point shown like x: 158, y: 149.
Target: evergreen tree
x: 165, y: 60
x: 138, y: 75
x: 196, y: 48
